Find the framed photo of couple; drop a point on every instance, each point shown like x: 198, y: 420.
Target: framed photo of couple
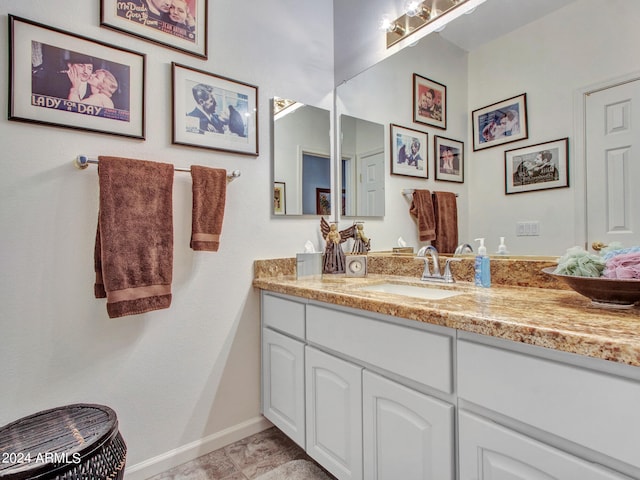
x: 500, y: 123
x: 177, y: 24
x: 214, y: 112
x: 61, y: 79
x: 449, y: 159
x: 409, y: 152
x: 429, y: 102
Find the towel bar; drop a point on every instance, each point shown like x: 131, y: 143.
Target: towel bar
x: 409, y: 191
x: 83, y: 161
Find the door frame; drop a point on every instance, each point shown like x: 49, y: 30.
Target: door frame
x: 315, y: 152
x: 579, y: 160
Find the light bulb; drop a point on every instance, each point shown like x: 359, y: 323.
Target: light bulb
x: 412, y: 8
x: 386, y: 23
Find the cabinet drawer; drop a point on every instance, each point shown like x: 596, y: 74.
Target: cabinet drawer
x: 597, y: 410
x: 283, y: 314
x: 419, y: 355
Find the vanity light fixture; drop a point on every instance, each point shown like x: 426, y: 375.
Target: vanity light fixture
x: 390, y: 26
x: 427, y: 16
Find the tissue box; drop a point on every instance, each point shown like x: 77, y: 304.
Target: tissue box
x: 308, y: 264
x: 402, y: 249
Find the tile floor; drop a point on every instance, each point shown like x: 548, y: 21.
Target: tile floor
x: 245, y: 459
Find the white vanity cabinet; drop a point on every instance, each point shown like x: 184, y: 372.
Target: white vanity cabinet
x: 374, y: 397
x: 371, y: 391
x: 530, y: 413
x: 283, y: 398
x: 405, y: 433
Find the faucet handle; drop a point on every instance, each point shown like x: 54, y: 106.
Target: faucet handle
x: 448, y: 276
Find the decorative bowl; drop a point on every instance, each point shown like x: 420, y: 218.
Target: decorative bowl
x: 602, y: 291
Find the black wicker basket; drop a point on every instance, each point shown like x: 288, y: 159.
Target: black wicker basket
x: 74, y: 442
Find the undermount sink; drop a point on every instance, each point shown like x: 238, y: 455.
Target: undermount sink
x: 426, y: 293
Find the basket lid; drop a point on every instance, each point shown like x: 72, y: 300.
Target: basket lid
x: 54, y: 440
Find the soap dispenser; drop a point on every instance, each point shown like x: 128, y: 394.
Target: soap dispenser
x: 502, y: 248
x: 482, y: 276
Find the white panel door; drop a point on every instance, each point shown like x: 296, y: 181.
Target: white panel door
x: 406, y: 435
x: 334, y: 413
x: 489, y: 451
x: 613, y: 164
x: 283, y: 383
x: 371, y: 184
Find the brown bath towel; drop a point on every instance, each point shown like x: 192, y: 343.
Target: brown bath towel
x: 134, y: 242
x: 422, y: 210
x: 209, y: 197
x: 446, y: 213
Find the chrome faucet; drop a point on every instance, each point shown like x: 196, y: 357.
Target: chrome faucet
x: 435, y: 259
x: 462, y: 248
x: 435, y: 276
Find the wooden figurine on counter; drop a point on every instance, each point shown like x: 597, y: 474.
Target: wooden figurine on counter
x: 361, y: 244
x: 334, y: 257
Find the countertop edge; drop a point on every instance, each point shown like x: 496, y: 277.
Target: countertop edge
x: 566, y: 323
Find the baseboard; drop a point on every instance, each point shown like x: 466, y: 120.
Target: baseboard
x: 193, y: 450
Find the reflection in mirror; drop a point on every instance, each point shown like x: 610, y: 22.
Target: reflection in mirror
x: 362, y: 167
x: 301, y: 159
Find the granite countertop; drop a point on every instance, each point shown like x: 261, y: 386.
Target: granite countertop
x: 540, y: 315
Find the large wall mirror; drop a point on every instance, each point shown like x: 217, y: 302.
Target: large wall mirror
x: 301, y: 159
x: 484, y: 58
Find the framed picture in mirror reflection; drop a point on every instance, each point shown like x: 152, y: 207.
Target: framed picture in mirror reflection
x: 279, y: 198
x: 537, y: 167
x: 409, y: 152
x: 500, y: 123
x: 448, y: 159
x: 429, y: 102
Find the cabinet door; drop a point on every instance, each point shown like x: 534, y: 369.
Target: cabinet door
x: 489, y: 451
x: 283, y: 383
x: 407, y: 435
x: 334, y: 413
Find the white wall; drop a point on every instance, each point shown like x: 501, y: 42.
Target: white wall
x: 190, y: 372
x: 549, y: 59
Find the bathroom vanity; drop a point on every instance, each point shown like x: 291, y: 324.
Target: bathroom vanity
x: 500, y: 383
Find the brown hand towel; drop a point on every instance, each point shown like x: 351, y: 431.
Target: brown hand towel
x: 446, y: 213
x: 134, y: 242
x: 209, y: 197
x: 422, y: 209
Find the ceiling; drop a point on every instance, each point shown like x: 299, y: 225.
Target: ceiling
x: 496, y: 18
x: 359, y: 43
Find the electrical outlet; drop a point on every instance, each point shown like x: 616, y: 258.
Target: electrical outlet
x: 528, y: 229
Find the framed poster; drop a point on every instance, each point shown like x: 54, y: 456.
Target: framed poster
x: 279, y: 198
x: 177, y: 24
x: 500, y: 123
x: 409, y: 152
x: 429, y: 102
x: 214, y: 112
x: 449, y: 159
x: 323, y: 201
x: 60, y: 79
x: 537, y: 167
